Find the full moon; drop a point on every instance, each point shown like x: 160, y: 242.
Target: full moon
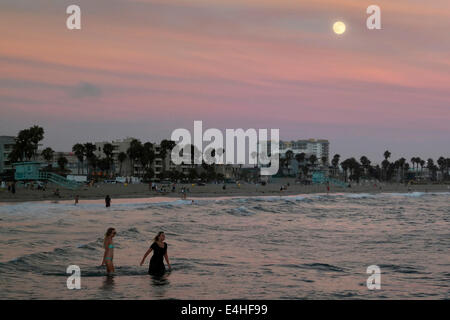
x: 339, y: 27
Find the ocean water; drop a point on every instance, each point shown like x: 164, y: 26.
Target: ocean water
x: 292, y: 247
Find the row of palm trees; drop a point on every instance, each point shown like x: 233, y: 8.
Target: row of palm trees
x: 140, y: 153
x: 355, y: 170
x: 304, y: 163
x: 144, y: 154
x: 26, y: 144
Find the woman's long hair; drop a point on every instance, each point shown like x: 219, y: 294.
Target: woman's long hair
x: 157, y: 236
x: 107, y: 234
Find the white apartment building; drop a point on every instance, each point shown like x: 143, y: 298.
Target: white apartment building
x: 123, y: 145
x: 320, y: 148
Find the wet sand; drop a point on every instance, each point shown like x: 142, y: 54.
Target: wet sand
x: 116, y: 191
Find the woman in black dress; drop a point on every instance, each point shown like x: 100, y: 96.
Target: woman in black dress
x: 159, y: 248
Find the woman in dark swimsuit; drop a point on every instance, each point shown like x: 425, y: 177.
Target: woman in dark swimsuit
x: 159, y: 248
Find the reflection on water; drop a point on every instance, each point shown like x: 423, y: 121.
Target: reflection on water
x: 161, y: 280
x: 108, y: 282
x: 293, y: 247
x: 160, y: 285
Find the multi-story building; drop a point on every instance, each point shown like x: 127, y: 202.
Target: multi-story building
x: 320, y: 148
x: 159, y: 164
x: 72, y: 166
x: 126, y: 168
x: 119, y: 146
x: 6, y: 147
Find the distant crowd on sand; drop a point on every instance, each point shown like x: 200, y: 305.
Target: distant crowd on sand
x: 38, y: 190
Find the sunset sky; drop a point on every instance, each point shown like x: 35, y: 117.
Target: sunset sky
x: 143, y: 68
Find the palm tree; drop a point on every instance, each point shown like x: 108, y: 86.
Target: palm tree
x: 442, y: 162
x: 365, y: 163
x: 346, y: 164
x: 312, y: 159
x: 79, y: 151
x: 89, y: 149
x: 62, y: 162
x: 385, y: 163
x: 422, y: 164
x: 147, y: 156
x: 431, y: 167
x: 447, y: 161
x: 26, y: 143
x: 134, y: 152
x: 15, y: 155
x: 401, y: 164
x: 289, y: 155
x: 282, y: 162
x: 108, y: 150
x: 414, y: 161
x: 300, y: 157
x: 36, y: 135
x: 335, y: 162
x: 121, y: 157
x: 47, y: 154
x: 166, y: 147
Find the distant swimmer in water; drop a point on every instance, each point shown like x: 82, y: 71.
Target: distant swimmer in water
x: 108, y: 201
x: 109, y: 250
x: 159, y: 248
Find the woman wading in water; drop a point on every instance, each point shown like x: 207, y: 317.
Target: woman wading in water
x: 109, y: 250
x: 159, y: 248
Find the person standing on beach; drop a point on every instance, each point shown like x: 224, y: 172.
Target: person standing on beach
x: 109, y: 250
x: 13, y: 188
x: 159, y: 248
x: 108, y: 201
x: 76, y: 199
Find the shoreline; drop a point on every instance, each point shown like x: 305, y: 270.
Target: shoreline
x: 140, y: 191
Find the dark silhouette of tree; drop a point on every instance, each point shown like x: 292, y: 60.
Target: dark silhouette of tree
x: 62, y: 162
x: 121, y: 157
x: 48, y: 154
x: 89, y: 149
x: 79, y: 151
x: 134, y: 152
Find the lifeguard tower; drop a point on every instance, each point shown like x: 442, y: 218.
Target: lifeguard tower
x: 32, y: 171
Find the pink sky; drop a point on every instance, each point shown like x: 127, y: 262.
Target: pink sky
x: 146, y: 67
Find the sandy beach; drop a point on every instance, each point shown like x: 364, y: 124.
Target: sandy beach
x: 99, y: 191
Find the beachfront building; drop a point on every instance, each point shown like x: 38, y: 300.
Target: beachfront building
x: 320, y: 148
x: 125, y: 168
x: 159, y: 165
x: 72, y: 161
x: 6, y: 146
x: 166, y: 164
